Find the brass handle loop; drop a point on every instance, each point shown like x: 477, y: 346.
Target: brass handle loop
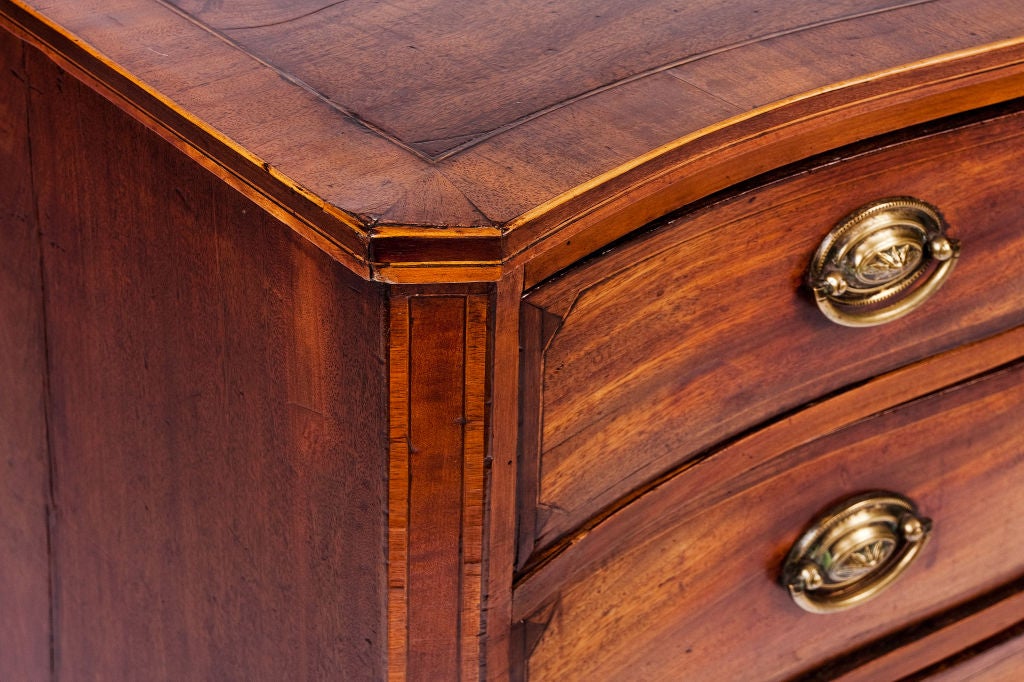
x: 866, y: 270
x: 854, y: 551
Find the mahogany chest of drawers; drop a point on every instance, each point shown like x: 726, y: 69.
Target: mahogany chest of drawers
x: 510, y: 340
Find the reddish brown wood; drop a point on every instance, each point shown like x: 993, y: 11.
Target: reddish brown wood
x: 329, y: 228
x: 501, y: 503
x: 898, y: 655
x: 1001, y: 661
x: 454, y: 77
x: 838, y: 411
x: 676, y: 579
x: 439, y: 352
x: 849, y: 407
x: 564, y: 138
x: 24, y: 469
x: 267, y: 467
x: 537, y: 327
x: 898, y: 36
x: 218, y: 418
x: 661, y: 343
x: 399, y: 454
x: 476, y: 398
x: 581, y: 221
x: 437, y: 335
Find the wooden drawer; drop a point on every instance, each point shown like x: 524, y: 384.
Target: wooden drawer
x: 702, y: 328
x: 683, y: 583
x: 266, y: 411
x: 1000, y: 662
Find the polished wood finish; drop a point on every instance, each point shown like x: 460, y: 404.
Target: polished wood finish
x: 644, y: 355
x: 924, y: 644
x: 263, y: 279
x: 24, y: 469
x: 998, y: 661
x: 669, y: 584
x: 842, y: 409
x: 546, y: 163
x: 500, y: 522
x: 214, y: 503
x: 438, y: 365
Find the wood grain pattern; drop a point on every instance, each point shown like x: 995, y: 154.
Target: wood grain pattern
x: 437, y: 331
x: 901, y: 654
x: 704, y: 549
x: 737, y: 78
x: 330, y: 229
x: 399, y: 454
x: 454, y: 75
x: 439, y: 350
x: 1000, y: 661
x: 847, y: 408
x: 391, y: 141
x: 581, y: 221
x: 268, y: 467
x: 476, y: 398
x: 832, y: 51
x: 659, y: 345
x: 218, y: 418
x: 501, y: 499
x: 806, y: 424
x: 24, y: 466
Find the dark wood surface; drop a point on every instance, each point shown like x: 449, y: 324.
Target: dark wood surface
x: 218, y: 418
x: 24, y: 470
x: 672, y: 583
x: 645, y: 357
x: 541, y: 139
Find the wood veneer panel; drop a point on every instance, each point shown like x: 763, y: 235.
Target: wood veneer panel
x: 437, y: 331
x: 218, y: 428
x: 275, y: 132
x: 834, y: 53
x: 903, y: 653
x: 548, y: 155
x: 437, y: 74
x: 356, y: 120
x: 440, y: 343
x: 839, y: 411
x: 583, y: 220
x: 658, y: 345
x: 24, y: 469
x: 1001, y: 662
x: 669, y: 585
x: 544, y: 156
x: 501, y: 519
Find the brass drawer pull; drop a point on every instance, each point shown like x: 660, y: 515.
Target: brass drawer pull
x: 854, y: 551
x: 864, y: 272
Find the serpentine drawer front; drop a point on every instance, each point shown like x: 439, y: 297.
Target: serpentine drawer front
x: 706, y: 326
x: 688, y: 579
x: 511, y: 340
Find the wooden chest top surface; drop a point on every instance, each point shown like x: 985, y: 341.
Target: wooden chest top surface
x: 506, y: 122
x: 440, y: 77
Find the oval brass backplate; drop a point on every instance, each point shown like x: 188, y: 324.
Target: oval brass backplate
x: 866, y: 270
x: 854, y: 551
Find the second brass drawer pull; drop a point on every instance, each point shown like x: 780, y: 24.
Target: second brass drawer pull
x: 865, y: 272
x: 854, y: 551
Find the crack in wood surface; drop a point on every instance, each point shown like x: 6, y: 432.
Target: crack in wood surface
x: 472, y: 139
x: 282, y: 21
